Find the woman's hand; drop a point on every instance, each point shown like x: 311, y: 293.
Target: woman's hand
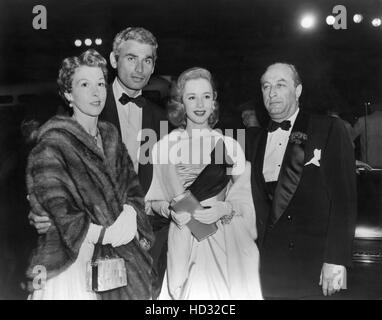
x: 161, y: 207
x: 213, y: 213
x: 180, y: 218
x: 124, y: 229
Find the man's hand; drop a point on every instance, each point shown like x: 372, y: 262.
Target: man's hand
x: 332, y: 279
x: 362, y: 166
x: 40, y: 223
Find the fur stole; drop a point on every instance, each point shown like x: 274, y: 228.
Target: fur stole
x: 70, y: 179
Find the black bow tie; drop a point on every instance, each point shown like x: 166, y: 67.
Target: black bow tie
x: 284, y: 125
x: 124, y: 99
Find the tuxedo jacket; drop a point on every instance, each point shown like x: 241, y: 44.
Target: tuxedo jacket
x: 152, y: 114
x: 311, y: 217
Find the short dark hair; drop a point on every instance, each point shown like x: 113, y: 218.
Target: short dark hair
x: 175, y: 107
x: 90, y: 58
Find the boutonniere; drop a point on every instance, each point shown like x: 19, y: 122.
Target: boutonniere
x: 316, y: 158
x: 298, y: 137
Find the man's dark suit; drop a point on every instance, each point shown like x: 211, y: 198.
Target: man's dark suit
x: 151, y: 117
x: 311, y: 219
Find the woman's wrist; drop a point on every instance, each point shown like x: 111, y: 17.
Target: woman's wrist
x: 229, y: 213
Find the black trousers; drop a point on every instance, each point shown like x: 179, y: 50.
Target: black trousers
x: 158, y: 251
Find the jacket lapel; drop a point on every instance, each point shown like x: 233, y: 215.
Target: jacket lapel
x: 259, y: 194
x: 110, y: 112
x: 146, y: 114
x: 145, y: 170
x: 291, y: 170
x: 258, y: 160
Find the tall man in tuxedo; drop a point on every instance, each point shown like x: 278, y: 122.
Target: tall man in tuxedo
x: 304, y: 191
x: 134, y: 55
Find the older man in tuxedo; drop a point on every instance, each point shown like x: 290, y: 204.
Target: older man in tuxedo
x: 304, y: 191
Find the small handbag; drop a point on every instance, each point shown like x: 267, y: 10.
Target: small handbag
x: 105, y: 273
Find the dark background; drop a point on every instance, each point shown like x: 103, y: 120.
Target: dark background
x: 234, y: 39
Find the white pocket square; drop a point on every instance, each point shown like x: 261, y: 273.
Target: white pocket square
x: 316, y: 158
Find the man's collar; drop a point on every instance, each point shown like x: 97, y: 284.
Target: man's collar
x: 293, y: 117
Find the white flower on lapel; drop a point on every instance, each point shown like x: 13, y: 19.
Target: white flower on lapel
x: 316, y: 158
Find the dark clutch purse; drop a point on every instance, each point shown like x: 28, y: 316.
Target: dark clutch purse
x: 105, y: 272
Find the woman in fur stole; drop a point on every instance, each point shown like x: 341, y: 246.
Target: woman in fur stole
x: 194, y: 157
x: 80, y: 174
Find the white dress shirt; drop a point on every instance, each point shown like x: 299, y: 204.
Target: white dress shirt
x: 130, y: 120
x: 275, y: 149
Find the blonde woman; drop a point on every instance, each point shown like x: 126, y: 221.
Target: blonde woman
x: 197, y: 158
